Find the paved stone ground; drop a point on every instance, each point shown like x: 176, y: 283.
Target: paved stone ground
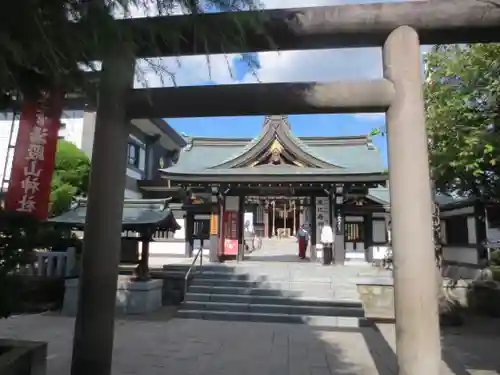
x: 278, y: 262
x: 192, y: 347
x: 158, y: 344
x: 284, y: 250
x: 274, y: 250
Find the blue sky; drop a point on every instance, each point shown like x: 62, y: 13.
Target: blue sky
x: 270, y: 67
x: 242, y: 69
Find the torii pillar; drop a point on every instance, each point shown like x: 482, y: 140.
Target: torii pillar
x: 94, y: 325
x: 415, y: 288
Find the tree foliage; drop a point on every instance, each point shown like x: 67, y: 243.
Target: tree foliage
x: 17, y: 241
x: 46, y: 42
x: 70, y: 178
x: 462, y: 87
x: 21, y: 234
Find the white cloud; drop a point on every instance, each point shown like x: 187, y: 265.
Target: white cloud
x: 286, y: 66
x: 280, y: 4
x: 372, y: 117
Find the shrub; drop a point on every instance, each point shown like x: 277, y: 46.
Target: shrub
x: 495, y: 258
x: 20, y: 234
x: 17, y: 241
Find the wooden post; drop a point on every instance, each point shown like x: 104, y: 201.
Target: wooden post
x: 312, y: 229
x: 214, y: 234
x: 241, y: 228
x: 274, y: 218
x: 294, y: 219
x: 266, y: 219
x: 285, y: 214
x: 143, y: 269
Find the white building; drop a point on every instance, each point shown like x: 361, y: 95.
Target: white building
x: 152, y: 145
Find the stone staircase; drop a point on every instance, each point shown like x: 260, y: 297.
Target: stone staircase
x: 279, y: 293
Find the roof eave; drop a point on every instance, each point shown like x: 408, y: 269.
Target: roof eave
x: 169, y: 131
x: 263, y: 178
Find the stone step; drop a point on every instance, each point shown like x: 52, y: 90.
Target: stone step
x: 197, y: 281
x: 264, y: 284
x: 317, y: 321
x: 253, y: 291
x: 229, y: 276
x: 275, y: 309
x: 272, y: 300
x: 313, y: 275
x: 206, y: 267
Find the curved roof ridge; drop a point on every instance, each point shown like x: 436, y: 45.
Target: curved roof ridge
x: 307, y: 149
x: 255, y: 141
x: 275, y: 127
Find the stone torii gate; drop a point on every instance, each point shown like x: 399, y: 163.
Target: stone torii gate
x: 398, y: 28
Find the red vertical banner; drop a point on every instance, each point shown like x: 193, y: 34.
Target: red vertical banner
x: 231, y: 223
x: 34, y: 155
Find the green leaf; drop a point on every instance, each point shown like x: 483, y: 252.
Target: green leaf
x: 70, y: 178
x: 461, y: 94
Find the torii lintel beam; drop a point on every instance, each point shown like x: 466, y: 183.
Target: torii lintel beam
x: 259, y: 99
x: 354, y: 25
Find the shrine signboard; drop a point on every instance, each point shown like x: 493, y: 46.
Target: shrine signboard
x: 34, y: 156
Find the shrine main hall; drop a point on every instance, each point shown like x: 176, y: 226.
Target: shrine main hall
x: 226, y: 190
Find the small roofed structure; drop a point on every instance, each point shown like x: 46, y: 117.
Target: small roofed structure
x: 141, y: 218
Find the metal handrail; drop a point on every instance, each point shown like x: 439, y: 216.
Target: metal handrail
x: 186, y: 277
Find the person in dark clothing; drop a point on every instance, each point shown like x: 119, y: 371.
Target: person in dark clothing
x: 303, y: 238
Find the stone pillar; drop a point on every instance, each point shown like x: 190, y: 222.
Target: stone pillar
x: 338, y: 226
x: 415, y: 288
x: 339, y: 222
x: 312, y: 230
x: 94, y: 325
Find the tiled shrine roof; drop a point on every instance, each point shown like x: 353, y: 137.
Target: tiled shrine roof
x: 315, y: 156
x: 137, y: 214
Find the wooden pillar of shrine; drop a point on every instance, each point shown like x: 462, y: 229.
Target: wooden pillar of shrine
x: 294, y: 207
x: 273, y: 233
x: 285, y: 216
x: 214, y: 233
x: 266, y: 219
x: 241, y: 228
x: 312, y: 229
